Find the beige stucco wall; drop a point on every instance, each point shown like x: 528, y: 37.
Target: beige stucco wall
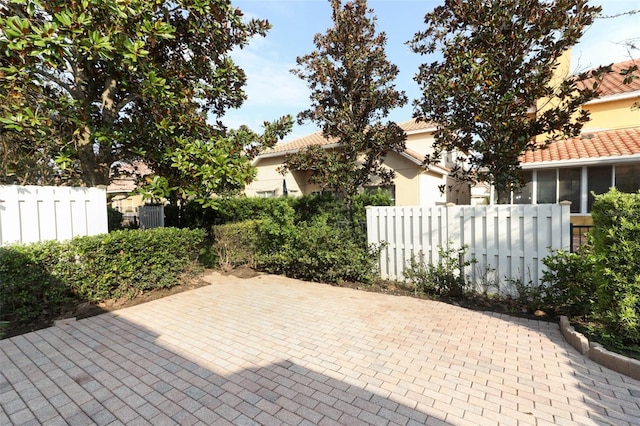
x: 126, y: 203
x: 413, y: 184
x: 269, y: 179
x: 420, y: 142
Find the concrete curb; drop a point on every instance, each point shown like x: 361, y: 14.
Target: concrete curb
x: 616, y: 362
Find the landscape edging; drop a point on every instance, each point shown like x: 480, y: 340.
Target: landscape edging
x: 616, y: 362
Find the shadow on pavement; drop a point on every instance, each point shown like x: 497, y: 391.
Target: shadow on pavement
x: 284, y: 352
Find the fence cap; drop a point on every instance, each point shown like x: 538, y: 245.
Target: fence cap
x: 565, y: 203
x: 450, y: 204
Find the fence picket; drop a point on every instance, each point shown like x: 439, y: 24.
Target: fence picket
x: 510, y: 239
x: 38, y: 213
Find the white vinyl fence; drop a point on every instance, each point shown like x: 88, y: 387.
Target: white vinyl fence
x: 38, y: 213
x: 507, y: 241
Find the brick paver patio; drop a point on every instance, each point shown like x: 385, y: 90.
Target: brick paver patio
x: 271, y: 350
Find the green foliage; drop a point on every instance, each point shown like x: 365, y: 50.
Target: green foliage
x: 235, y: 244
x: 569, y: 285
x: 321, y: 252
x: 616, y: 244
x: 40, y: 279
x: 352, y: 92
x: 277, y: 231
x: 28, y: 289
x: 114, y: 218
x: 337, y: 211
x: 94, y: 82
x: 326, y: 203
x: 229, y: 210
x: 444, y: 278
x: 499, y: 60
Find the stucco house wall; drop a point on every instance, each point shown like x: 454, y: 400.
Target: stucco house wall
x: 414, y: 184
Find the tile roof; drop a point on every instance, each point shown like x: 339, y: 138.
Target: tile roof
x: 316, y: 138
x: 124, y: 179
x: 607, y: 143
x: 613, y: 83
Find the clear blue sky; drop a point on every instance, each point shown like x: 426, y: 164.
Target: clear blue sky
x: 273, y: 91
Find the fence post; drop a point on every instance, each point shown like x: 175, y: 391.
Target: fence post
x: 565, y: 207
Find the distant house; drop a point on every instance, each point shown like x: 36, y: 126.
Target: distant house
x: 120, y: 192
x: 414, y: 184
x: 605, y: 155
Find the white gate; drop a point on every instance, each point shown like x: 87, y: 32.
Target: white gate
x: 510, y: 240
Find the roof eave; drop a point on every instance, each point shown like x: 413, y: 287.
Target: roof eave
x: 615, y: 97
x: 581, y: 161
x: 290, y: 151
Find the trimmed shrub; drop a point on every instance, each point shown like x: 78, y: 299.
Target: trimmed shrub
x: 28, y: 288
x: 230, y: 210
x: 41, y: 279
x: 320, y: 252
x: 114, y: 219
x: 235, y: 244
x: 616, y: 244
x: 128, y: 262
x: 570, y: 288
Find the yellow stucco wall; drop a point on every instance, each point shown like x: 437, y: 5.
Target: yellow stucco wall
x: 615, y: 114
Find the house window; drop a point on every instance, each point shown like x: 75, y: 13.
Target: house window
x: 569, y: 187
x: 525, y: 194
x: 388, y: 189
x: 547, y: 183
x: 576, y: 184
x: 266, y: 194
x: 628, y: 178
x: 598, y: 181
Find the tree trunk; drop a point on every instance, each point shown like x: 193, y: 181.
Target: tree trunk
x: 94, y: 173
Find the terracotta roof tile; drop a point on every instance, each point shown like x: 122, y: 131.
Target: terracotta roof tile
x: 609, y: 143
x: 316, y: 138
x: 613, y: 83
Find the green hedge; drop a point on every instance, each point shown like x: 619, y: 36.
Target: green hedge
x: 616, y: 248
x: 315, y: 251
x: 235, y: 244
x: 39, y: 280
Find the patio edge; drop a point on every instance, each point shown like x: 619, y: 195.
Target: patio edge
x: 597, y: 353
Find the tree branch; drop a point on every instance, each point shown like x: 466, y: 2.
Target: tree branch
x: 72, y: 92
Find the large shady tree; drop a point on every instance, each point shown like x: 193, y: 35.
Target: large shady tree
x: 89, y: 83
x: 495, y: 92
x: 352, y: 92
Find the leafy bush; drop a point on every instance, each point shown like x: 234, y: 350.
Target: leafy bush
x: 569, y: 286
x: 230, y: 210
x: 39, y: 280
x: 235, y: 244
x: 128, y: 262
x: 325, y: 204
x: 28, y: 289
x: 114, y: 219
x: 310, y: 237
x: 317, y: 251
x: 616, y: 244
x: 444, y: 278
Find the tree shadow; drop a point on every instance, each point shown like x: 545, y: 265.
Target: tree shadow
x: 203, y: 358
